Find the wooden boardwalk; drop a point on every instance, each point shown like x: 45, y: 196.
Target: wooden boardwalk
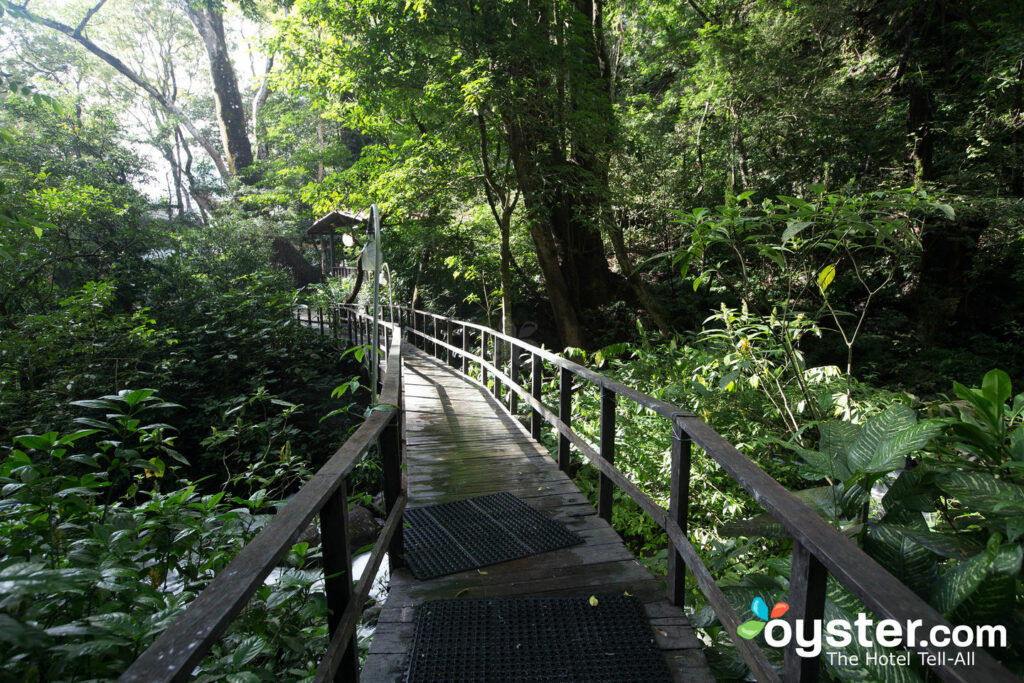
x: 460, y: 442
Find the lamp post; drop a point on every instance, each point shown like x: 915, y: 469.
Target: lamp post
x: 371, y: 264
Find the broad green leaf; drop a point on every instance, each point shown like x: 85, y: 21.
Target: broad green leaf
x: 982, y: 492
x: 795, y: 202
x: 96, y: 403
x: 875, y: 433
x: 822, y: 499
x: 945, y: 209
x: 996, y: 386
x: 133, y: 398
x: 41, y: 442
x: 838, y: 437
x: 823, y: 464
x: 961, y: 585
x: 892, y: 451
x: 909, y: 493
x: 950, y: 546
x: 793, y: 228
x: 825, y: 277
x: 905, y: 558
x: 247, y: 650
x: 859, y: 662
x: 774, y: 256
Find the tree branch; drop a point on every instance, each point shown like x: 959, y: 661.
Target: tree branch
x: 127, y: 72
x: 86, y: 18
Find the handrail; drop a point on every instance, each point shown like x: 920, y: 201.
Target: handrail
x: 179, y: 649
x: 818, y: 549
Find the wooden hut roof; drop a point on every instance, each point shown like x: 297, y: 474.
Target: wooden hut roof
x: 339, y: 218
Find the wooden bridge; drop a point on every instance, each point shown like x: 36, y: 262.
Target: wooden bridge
x: 446, y: 430
x: 459, y: 442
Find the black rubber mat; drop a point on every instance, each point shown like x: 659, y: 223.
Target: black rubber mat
x: 452, y: 537
x: 535, y: 639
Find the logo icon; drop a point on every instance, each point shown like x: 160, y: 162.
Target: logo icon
x: 750, y: 629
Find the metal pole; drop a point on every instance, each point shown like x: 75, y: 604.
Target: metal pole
x: 374, y: 361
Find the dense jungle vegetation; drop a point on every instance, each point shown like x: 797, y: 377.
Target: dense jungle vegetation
x: 802, y: 220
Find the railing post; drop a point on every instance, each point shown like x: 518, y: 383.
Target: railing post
x: 448, y: 340
x: 537, y: 391
x: 678, y: 510
x: 391, y: 466
x: 465, y: 347
x: 483, y: 357
x: 807, y: 582
x: 433, y: 343
x: 565, y: 415
x: 337, y: 560
x: 607, y: 446
x: 320, y: 314
x: 499, y: 352
x: 513, y: 372
x: 309, y: 316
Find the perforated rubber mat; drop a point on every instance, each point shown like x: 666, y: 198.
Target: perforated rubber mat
x: 452, y: 537
x: 535, y: 639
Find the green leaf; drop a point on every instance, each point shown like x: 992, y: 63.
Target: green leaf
x: 824, y: 464
x: 793, y: 228
x: 825, y: 277
x: 838, y: 437
x: 871, y: 453
x: 962, y: 585
x: 42, y: 442
x: 133, y: 398
x: 996, y: 386
x: 795, y: 202
x: 892, y: 451
x: 96, y: 403
x: 945, y: 209
x: 907, y: 560
x: 247, y: 650
x: 982, y: 492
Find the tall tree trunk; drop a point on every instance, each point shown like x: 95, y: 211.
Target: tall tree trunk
x: 227, y: 98
x: 507, y: 324
x: 123, y: 69
x: 634, y: 278
x: 539, y: 221
x: 259, y: 128
x: 919, y: 118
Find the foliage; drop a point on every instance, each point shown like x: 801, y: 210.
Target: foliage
x: 73, y: 602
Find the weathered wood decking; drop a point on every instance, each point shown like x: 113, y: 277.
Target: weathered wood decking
x: 459, y: 442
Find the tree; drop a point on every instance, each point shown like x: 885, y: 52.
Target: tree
x: 535, y: 74
x: 230, y: 112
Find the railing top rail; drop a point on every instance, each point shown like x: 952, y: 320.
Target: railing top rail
x: 180, y: 648
x: 880, y: 591
x: 663, y: 408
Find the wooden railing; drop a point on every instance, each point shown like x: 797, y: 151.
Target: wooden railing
x: 818, y: 549
x: 179, y: 649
